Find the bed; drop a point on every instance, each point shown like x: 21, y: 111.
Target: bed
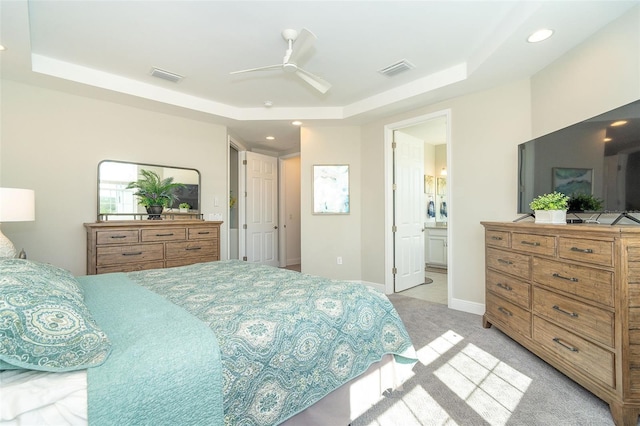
x: 223, y: 342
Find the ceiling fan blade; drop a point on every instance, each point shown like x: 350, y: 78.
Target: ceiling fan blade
x: 304, y: 42
x: 318, y: 83
x: 269, y: 67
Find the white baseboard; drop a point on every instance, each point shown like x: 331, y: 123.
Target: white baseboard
x: 297, y: 261
x: 466, y: 306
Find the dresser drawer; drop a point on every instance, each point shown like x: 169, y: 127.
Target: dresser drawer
x: 131, y: 267
x: 532, y: 243
x: 516, y: 291
x: 590, y: 251
x: 199, y: 248
x: 497, y: 238
x: 509, y: 262
x: 507, y: 315
x: 589, y: 283
x: 164, y: 234
x: 183, y: 261
x: 594, y: 361
x: 123, y: 236
x: 114, y: 255
x: 586, y: 320
x: 202, y: 233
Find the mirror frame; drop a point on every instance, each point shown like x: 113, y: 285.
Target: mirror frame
x: 195, y: 213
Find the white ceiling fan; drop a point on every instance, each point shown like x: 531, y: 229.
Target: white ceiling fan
x: 303, y: 42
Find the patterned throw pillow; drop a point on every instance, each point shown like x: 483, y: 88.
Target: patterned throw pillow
x: 44, y: 323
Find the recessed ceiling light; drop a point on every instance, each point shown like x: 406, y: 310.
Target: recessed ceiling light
x: 297, y: 123
x: 268, y: 104
x: 270, y: 138
x: 2, y: 47
x: 618, y: 123
x: 540, y: 35
x: 607, y: 139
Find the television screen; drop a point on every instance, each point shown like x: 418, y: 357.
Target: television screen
x: 188, y: 194
x: 598, y: 157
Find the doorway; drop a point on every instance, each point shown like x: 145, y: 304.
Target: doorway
x: 434, y: 131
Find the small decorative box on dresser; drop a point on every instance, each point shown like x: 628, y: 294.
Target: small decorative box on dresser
x: 571, y: 295
x: 125, y: 246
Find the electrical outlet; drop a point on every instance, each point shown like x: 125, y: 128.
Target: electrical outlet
x: 339, y: 260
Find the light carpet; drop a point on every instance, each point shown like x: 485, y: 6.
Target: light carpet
x: 468, y: 375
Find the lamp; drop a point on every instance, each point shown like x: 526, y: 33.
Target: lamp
x: 16, y: 205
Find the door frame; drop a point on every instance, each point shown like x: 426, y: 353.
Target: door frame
x: 232, y: 142
x: 388, y: 196
x: 282, y: 219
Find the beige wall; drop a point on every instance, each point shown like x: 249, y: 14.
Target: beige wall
x: 599, y: 75
x: 52, y: 142
x: 325, y: 237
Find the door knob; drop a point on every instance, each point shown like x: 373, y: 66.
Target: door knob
x: 275, y: 227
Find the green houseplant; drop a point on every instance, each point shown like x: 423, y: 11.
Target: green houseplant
x: 153, y: 192
x: 184, y: 207
x: 550, y: 208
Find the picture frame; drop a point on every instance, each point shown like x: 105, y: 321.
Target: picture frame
x: 330, y: 189
x: 571, y: 180
x: 428, y: 184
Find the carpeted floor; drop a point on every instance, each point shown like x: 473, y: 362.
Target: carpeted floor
x: 468, y: 375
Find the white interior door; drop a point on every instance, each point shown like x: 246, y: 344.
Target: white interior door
x: 261, y: 214
x: 409, y: 211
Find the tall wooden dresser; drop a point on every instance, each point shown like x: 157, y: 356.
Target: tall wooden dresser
x: 125, y: 246
x: 571, y: 295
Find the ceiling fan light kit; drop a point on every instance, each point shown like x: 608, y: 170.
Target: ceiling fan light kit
x: 299, y: 43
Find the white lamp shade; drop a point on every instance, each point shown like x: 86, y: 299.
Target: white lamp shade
x: 17, y: 205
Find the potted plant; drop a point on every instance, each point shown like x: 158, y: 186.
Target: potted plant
x: 550, y: 208
x: 584, y: 202
x: 154, y: 193
x: 184, y: 207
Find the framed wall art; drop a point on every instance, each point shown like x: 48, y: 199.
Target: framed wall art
x: 330, y: 189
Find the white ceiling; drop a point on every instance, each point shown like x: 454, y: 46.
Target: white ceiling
x: 106, y: 49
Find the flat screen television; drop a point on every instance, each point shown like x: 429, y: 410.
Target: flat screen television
x: 599, y: 157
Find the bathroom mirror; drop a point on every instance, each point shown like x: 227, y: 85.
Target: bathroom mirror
x: 116, y: 202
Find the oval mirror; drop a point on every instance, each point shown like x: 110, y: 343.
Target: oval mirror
x: 117, y: 202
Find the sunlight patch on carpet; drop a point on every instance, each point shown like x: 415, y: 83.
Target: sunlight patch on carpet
x: 416, y: 407
x: 489, y: 386
x: 432, y: 351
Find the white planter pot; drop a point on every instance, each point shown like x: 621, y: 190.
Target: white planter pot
x: 551, y: 216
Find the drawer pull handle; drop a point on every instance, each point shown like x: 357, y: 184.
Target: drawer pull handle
x: 138, y: 253
x: 559, y: 309
x: 530, y: 243
x: 506, y: 262
x: 118, y: 236
x: 165, y: 235
x: 557, y: 275
x: 193, y: 248
x: 564, y: 345
x: 496, y: 238
x: 505, y: 311
x: 504, y: 286
x: 578, y: 249
x: 203, y: 233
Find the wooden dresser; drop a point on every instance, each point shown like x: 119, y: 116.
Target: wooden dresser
x: 124, y: 246
x: 571, y: 295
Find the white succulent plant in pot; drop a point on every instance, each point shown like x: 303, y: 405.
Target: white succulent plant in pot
x: 550, y: 208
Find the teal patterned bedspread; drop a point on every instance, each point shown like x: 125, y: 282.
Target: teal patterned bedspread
x: 286, y: 339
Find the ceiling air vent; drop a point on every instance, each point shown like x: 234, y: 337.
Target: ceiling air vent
x: 397, y: 68
x: 166, y: 75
